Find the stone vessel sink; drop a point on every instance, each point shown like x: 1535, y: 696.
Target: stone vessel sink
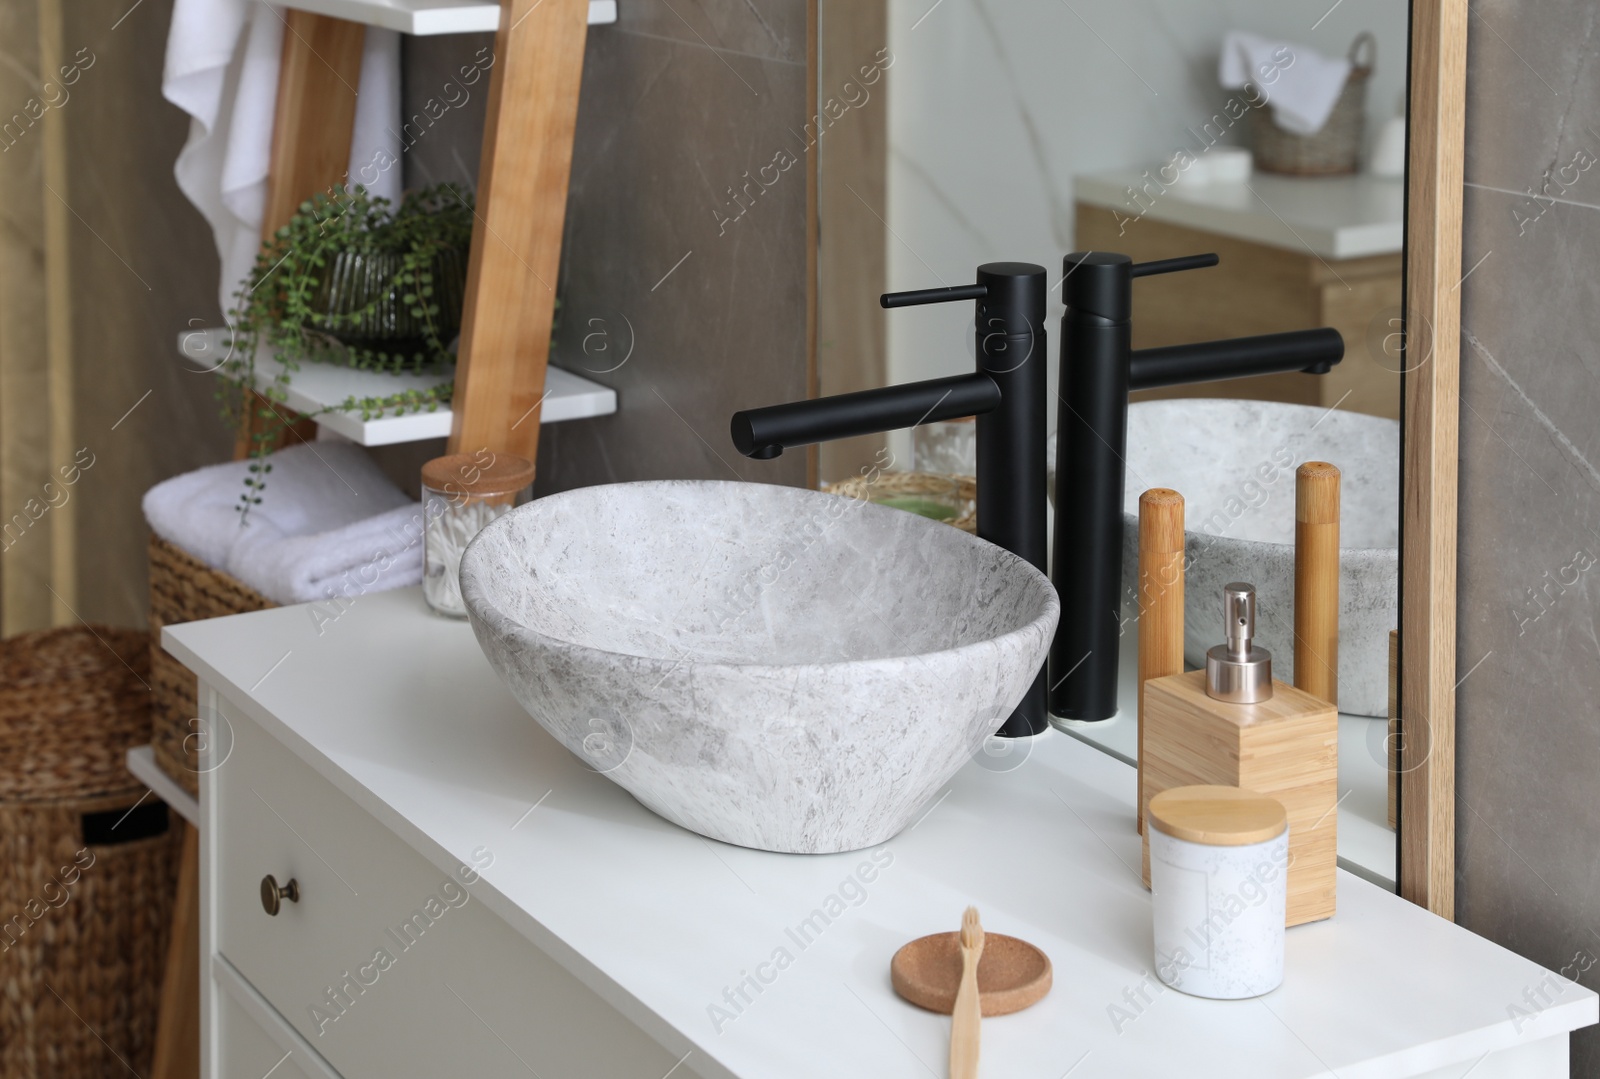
x: 1234, y: 463
x: 764, y: 665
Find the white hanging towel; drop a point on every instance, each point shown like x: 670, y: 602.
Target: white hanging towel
x: 222, y: 69
x: 1301, y: 84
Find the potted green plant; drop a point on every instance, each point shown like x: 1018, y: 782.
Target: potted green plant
x: 349, y: 280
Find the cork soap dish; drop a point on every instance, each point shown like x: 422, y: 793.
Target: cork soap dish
x: 1012, y: 974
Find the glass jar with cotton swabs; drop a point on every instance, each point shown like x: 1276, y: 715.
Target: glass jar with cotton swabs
x: 461, y: 493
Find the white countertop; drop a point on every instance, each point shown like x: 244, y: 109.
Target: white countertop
x: 399, y: 710
x: 1338, y: 217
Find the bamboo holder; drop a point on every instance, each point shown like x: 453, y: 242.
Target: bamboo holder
x: 1316, y: 580
x: 1160, y: 600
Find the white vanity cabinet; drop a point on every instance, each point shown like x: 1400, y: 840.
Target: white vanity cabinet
x: 470, y: 900
x: 383, y: 964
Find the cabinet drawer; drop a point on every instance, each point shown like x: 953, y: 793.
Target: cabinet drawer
x: 249, y: 1051
x: 253, y: 1040
x: 385, y: 964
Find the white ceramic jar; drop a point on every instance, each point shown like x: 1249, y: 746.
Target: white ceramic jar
x: 1219, y: 884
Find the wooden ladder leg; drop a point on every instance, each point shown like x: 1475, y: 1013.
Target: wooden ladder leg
x: 516, y: 239
x: 177, y: 1051
x: 312, y: 126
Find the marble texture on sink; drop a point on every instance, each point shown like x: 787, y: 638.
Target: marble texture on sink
x: 765, y: 665
x: 1234, y: 463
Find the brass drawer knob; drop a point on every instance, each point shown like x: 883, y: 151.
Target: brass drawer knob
x: 272, y: 895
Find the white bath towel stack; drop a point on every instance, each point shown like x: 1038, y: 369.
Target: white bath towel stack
x: 329, y: 524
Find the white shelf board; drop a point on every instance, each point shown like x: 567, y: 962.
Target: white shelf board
x: 318, y: 386
x: 421, y: 17
x: 142, y: 763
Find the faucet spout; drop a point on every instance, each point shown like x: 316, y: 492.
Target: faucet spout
x: 763, y: 433
x: 1311, y: 351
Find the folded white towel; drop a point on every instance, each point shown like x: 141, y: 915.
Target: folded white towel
x: 1301, y: 83
x: 329, y: 524
x: 222, y: 69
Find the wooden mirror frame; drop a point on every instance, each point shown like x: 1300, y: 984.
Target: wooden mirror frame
x: 1436, y: 83
x: 1430, y: 398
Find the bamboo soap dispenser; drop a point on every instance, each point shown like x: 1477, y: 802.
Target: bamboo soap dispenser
x: 1234, y: 725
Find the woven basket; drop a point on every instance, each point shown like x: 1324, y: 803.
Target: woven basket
x: 87, y: 859
x: 184, y: 589
x: 912, y: 484
x: 1336, y: 149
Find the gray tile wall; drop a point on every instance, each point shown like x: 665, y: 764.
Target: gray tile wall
x: 688, y: 318
x: 1528, y: 710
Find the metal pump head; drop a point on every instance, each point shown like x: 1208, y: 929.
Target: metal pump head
x: 1238, y: 672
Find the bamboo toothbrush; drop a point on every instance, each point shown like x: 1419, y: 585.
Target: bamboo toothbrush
x: 967, y: 1015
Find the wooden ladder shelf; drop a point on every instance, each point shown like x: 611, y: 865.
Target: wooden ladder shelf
x: 510, y: 301
x: 523, y: 171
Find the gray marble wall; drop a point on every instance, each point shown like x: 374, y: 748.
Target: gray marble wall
x: 690, y: 318
x: 1528, y: 709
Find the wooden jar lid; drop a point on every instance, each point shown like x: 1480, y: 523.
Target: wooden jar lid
x: 467, y: 473
x: 1217, y: 816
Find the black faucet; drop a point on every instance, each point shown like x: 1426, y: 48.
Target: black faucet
x: 1007, y: 394
x: 1098, y: 369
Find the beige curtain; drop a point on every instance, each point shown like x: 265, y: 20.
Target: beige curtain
x: 102, y: 264
x: 39, y: 581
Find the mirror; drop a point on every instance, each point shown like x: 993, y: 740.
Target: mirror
x: 951, y: 133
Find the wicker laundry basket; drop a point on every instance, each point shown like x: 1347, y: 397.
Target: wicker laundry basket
x: 87, y: 858
x: 1336, y: 149
x: 184, y: 589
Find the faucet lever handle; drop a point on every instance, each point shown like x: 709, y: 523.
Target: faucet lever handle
x: 935, y: 295
x: 1186, y: 262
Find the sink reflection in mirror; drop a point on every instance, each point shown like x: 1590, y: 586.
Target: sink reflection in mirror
x: 1240, y: 523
